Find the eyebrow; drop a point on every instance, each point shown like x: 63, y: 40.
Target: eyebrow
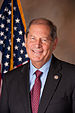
x: 40, y: 37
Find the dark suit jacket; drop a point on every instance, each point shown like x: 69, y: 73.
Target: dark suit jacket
x: 58, y: 94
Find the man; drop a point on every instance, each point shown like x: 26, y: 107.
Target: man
x: 51, y: 91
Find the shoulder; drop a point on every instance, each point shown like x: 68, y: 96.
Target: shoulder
x: 64, y: 63
x: 67, y: 71
x: 66, y: 68
x: 67, y: 65
x: 16, y: 72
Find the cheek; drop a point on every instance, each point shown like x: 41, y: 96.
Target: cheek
x: 52, y: 47
x: 29, y: 48
x: 28, y: 45
x: 46, y: 49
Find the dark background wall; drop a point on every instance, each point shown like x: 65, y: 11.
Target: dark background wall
x: 62, y: 13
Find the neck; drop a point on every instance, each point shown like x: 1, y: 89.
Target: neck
x: 38, y: 65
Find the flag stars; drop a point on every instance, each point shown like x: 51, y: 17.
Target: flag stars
x: 15, y: 28
x: 9, y: 41
x: 18, y: 39
x: 18, y: 52
x: 6, y: 9
x: 23, y: 44
x: 9, y: 12
x: 7, y: 56
x: 14, y: 8
x: 7, y: 29
x: 17, y: 20
x: 26, y: 55
x: 8, y: 20
x: 1, y: 41
x: 20, y: 59
x: 5, y: 37
x: 14, y: 55
x: 8, y: 48
x: 20, y: 32
x: 4, y: 71
x: 21, y: 51
x: 16, y: 47
x: 2, y: 25
x: 0, y: 15
x: 6, y: 64
x: 1, y: 33
x: 3, y: 17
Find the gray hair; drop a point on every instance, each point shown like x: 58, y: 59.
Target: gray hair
x: 53, y: 29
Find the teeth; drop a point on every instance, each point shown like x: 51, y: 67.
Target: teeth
x: 37, y: 51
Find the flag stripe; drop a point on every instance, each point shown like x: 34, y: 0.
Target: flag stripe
x: 12, y: 30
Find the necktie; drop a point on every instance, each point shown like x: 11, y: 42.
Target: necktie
x: 35, y: 92
x: 0, y: 84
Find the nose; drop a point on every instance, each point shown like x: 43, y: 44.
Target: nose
x: 38, y: 43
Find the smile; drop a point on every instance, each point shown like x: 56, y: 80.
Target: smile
x: 37, y: 51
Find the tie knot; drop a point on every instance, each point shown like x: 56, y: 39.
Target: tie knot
x: 38, y: 73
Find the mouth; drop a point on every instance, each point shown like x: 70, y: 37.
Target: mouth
x: 37, y: 51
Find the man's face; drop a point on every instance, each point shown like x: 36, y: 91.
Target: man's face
x: 39, y: 44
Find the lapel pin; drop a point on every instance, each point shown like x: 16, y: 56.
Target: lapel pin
x: 56, y: 77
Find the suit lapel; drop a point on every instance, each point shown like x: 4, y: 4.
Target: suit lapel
x: 24, y: 88
x: 52, y: 82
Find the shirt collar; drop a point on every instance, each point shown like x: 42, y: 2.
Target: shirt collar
x: 42, y: 69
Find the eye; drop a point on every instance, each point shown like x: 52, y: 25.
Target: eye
x: 32, y: 38
x: 44, y: 40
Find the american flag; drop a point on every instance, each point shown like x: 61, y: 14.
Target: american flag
x: 19, y: 50
x: 0, y: 79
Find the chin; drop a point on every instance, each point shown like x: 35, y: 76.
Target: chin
x: 36, y: 60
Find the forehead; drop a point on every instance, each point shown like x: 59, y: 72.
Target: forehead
x: 39, y: 28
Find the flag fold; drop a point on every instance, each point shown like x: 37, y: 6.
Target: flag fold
x: 12, y: 30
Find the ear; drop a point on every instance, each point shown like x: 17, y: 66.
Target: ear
x: 55, y: 43
x: 25, y: 39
